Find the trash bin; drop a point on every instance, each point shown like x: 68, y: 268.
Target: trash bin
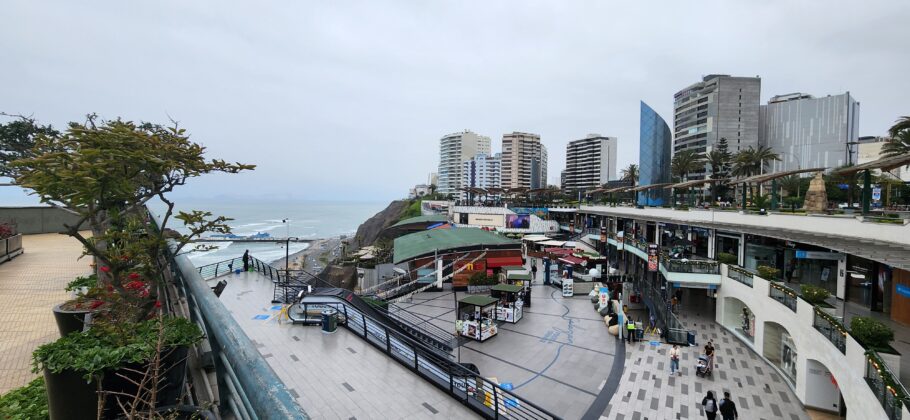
x: 329, y: 320
x: 691, y: 338
x: 639, y: 334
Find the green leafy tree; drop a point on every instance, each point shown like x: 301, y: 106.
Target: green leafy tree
x: 851, y: 180
x: 105, y: 172
x: 630, y: 173
x: 902, y: 124
x: 17, y: 139
x: 897, y: 145
x: 719, y: 159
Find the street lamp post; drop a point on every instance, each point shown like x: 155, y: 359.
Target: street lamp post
x: 287, y: 253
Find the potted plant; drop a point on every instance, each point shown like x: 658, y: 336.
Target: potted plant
x: 768, y: 273
x: 815, y: 295
x: 872, y: 333
x: 28, y: 402
x: 726, y: 258
x: 70, y: 316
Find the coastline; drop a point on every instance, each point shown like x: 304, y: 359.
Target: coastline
x: 315, y: 250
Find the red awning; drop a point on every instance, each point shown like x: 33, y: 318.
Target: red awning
x: 572, y: 260
x: 559, y: 251
x: 494, y: 262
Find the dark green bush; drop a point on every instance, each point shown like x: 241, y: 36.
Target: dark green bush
x: 768, y: 272
x: 726, y: 258
x: 871, y: 332
x: 26, y: 403
x: 814, y: 294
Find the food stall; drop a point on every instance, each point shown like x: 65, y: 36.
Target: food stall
x: 510, y: 302
x: 523, y: 280
x: 475, y: 316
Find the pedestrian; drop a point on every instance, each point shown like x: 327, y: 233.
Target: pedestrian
x: 533, y: 271
x: 709, y: 351
x: 246, y: 260
x: 728, y: 408
x: 674, y: 361
x: 710, y: 406
x: 630, y: 329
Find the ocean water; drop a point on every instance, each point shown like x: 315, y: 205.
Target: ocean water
x: 305, y: 220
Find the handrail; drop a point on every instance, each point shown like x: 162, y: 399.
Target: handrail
x: 888, y: 390
x: 474, y: 391
x: 739, y: 274
x: 249, y: 379
x: 377, y: 286
x: 784, y: 295
x: 831, y: 328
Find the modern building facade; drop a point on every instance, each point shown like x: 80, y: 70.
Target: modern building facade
x: 720, y: 106
x: 810, y: 132
x: 524, y: 161
x: 454, y: 149
x: 590, y: 163
x: 654, y: 154
x: 481, y: 171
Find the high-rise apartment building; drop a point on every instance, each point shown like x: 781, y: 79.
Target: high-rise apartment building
x: 718, y: 106
x: 524, y: 161
x: 590, y: 163
x: 653, y: 156
x: 481, y: 171
x: 454, y: 149
x: 809, y: 132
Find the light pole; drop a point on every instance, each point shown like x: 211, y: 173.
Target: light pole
x: 287, y: 253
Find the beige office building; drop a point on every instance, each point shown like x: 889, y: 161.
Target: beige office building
x: 524, y: 161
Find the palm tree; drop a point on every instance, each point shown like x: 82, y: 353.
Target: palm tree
x: 902, y: 124
x: 791, y: 184
x: 897, y: 145
x: 685, y: 162
x: 764, y: 155
x: 630, y: 173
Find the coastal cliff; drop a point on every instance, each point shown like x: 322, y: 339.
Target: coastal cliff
x: 369, y: 231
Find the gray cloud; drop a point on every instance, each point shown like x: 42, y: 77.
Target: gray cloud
x: 348, y: 100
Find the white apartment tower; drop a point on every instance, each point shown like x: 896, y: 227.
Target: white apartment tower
x: 524, y: 161
x: 454, y: 149
x: 590, y: 163
x: 481, y: 171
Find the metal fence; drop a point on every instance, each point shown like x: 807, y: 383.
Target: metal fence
x: 884, y: 384
x: 834, y: 332
x: 660, y: 307
x: 690, y: 266
x: 784, y: 295
x: 478, y: 393
x: 739, y: 275
x: 10, y: 247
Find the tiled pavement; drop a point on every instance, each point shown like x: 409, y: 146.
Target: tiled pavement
x: 647, y: 391
x: 30, y: 285
x: 336, y: 376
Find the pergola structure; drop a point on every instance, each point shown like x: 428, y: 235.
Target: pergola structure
x: 773, y: 177
x: 693, y: 183
x: 884, y: 164
x: 647, y: 188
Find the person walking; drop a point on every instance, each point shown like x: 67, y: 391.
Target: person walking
x: 674, y: 361
x: 709, y: 351
x: 246, y: 260
x: 533, y: 270
x: 710, y: 406
x: 728, y: 408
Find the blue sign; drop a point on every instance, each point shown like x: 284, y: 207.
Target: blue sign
x: 903, y: 290
x: 800, y: 254
x: 506, y: 386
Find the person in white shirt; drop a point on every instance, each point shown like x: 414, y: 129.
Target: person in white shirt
x: 674, y: 360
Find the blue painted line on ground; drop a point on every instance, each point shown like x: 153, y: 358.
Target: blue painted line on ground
x: 276, y: 308
x: 569, y: 338
x: 260, y: 317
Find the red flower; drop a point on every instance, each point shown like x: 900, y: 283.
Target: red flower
x: 125, y: 258
x: 157, y: 304
x: 110, y: 288
x: 105, y: 268
x: 134, y: 285
x: 133, y: 276
x: 144, y: 293
x: 96, y: 304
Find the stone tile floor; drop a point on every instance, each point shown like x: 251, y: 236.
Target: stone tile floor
x: 30, y: 286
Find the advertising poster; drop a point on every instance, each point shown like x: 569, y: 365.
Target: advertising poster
x: 540, y: 212
x: 518, y: 221
x: 652, y: 258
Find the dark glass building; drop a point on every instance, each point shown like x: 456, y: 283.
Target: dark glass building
x: 653, y: 157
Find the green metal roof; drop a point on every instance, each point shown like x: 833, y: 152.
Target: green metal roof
x: 513, y: 268
x: 511, y: 288
x: 433, y: 218
x: 518, y: 276
x: 417, y: 244
x: 478, y: 300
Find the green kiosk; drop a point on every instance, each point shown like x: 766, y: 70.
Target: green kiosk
x: 510, y: 302
x: 475, y: 317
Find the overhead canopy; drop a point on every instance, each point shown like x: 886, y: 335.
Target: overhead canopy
x: 427, y: 242
x: 518, y: 276
x: 688, y: 184
x: 769, y: 177
x: 478, y: 300
x: 648, y: 187
x: 617, y: 189
x: 885, y: 164
x: 494, y: 262
x: 508, y: 288
x: 513, y: 268
x: 568, y: 259
x: 431, y: 219
x: 534, y: 238
x: 552, y: 243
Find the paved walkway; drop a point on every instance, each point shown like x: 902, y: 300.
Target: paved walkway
x: 647, y: 391
x: 30, y: 285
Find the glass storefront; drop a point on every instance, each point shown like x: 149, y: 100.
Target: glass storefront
x: 727, y: 243
x: 869, y: 284
x: 764, y: 251
x: 811, y: 265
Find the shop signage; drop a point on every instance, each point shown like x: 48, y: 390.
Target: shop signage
x: 652, y: 257
x: 903, y: 290
x: 604, y: 296
x: 819, y: 255
x: 876, y: 194
x: 619, y: 237
x: 603, y: 234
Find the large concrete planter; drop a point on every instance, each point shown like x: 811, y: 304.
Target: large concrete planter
x: 70, y: 321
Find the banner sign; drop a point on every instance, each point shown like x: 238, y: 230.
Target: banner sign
x: 603, y: 234
x: 819, y: 255
x: 653, y: 258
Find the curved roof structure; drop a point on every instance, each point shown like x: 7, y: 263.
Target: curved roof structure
x: 419, y: 244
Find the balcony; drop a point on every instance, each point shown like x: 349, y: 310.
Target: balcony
x: 784, y: 295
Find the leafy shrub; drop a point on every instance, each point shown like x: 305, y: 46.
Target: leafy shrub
x: 481, y: 279
x: 768, y: 272
x: 814, y: 294
x: 80, y: 282
x: 26, y: 403
x: 871, y: 332
x: 726, y: 258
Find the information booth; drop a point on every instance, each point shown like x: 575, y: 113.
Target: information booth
x: 510, y: 302
x: 476, y: 315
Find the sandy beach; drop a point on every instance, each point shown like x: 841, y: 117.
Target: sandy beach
x: 319, y: 252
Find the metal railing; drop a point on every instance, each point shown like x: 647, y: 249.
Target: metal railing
x: 739, y: 275
x: 689, y: 266
x: 884, y: 384
x: 660, y: 306
x: 247, y: 387
x: 834, y: 331
x: 10, y: 247
x: 476, y: 392
x: 783, y: 294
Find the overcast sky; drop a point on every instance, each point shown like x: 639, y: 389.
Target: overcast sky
x: 348, y: 100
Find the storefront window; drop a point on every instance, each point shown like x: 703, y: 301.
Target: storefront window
x: 727, y: 243
x: 817, y: 267
x: 700, y: 240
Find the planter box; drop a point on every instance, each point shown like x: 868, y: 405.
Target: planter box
x: 69, y: 321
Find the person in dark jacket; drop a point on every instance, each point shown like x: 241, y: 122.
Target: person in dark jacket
x: 728, y: 408
x: 710, y: 406
x: 246, y: 260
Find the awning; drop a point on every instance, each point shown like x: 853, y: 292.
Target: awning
x: 509, y: 288
x: 572, y: 260
x: 559, y: 251
x: 495, y: 262
x: 535, y: 238
x: 552, y: 243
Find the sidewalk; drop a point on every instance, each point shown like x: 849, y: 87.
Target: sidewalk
x: 30, y: 285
